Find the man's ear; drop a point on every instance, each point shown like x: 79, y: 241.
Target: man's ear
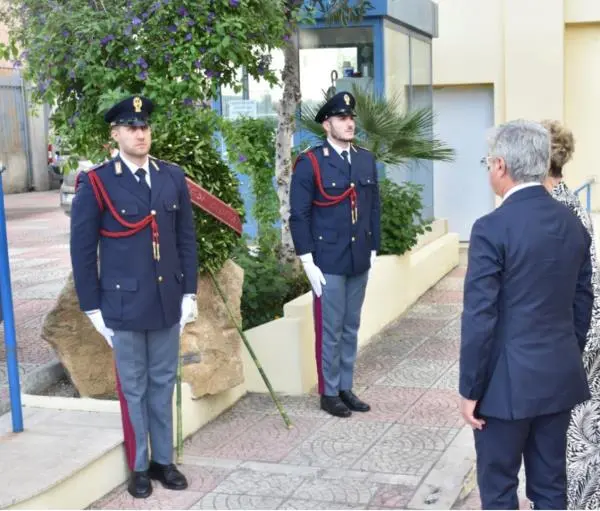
x: 114, y: 133
x: 503, y: 169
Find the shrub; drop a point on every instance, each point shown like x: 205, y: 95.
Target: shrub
x: 268, y: 285
x: 401, y: 220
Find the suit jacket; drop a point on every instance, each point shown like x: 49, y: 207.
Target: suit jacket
x: 133, y: 291
x: 527, y: 307
x: 339, y: 246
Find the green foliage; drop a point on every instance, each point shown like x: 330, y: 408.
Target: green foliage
x: 84, y: 55
x: 268, y: 285
x: 251, y: 149
x: 392, y: 135
x: 401, y: 220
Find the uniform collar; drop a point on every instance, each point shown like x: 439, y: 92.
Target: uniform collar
x: 339, y: 149
x: 133, y: 167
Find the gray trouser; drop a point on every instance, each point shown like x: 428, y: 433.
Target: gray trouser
x: 146, y: 365
x: 337, y: 319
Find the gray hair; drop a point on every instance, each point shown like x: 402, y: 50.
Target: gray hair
x: 525, y: 148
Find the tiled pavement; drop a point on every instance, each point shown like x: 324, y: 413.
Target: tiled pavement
x: 38, y: 241
x: 247, y: 459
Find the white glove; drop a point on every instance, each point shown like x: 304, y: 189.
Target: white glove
x: 373, y: 257
x: 314, y: 274
x: 189, y: 310
x: 98, y: 322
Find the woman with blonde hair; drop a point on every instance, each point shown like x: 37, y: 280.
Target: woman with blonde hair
x: 583, y: 437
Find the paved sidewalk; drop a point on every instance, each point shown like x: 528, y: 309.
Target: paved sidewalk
x: 38, y: 241
x: 247, y: 459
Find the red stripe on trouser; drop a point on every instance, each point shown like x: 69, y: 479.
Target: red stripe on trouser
x: 128, y: 434
x: 318, y: 319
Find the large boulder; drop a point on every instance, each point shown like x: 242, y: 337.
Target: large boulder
x: 210, y: 347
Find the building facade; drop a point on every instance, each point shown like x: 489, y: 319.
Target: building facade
x: 389, y: 52
x: 23, y: 133
x: 498, y: 60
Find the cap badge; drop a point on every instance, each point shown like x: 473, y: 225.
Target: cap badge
x: 137, y: 104
x: 347, y: 99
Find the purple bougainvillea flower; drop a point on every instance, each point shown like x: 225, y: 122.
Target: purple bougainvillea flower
x: 168, y: 57
x: 234, y: 3
x: 191, y: 23
x: 72, y: 74
x: 188, y: 101
x: 136, y: 21
x: 17, y: 64
x: 142, y: 63
x: 143, y: 75
x: 107, y: 39
x: 188, y: 37
x: 66, y: 33
x: 182, y: 11
x: 128, y: 30
x: 242, y: 158
x: 198, y: 64
x: 172, y: 28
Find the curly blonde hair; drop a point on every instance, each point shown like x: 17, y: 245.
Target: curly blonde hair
x: 562, y: 146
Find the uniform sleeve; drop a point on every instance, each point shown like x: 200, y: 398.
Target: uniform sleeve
x: 186, y: 239
x: 376, y: 213
x: 480, y: 310
x: 85, y: 233
x: 301, y: 197
x: 584, y: 297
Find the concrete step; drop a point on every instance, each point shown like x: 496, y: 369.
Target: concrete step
x: 60, y: 446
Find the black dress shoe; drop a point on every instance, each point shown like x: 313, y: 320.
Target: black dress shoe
x: 352, y: 402
x: 139, y: 486
x: 334, y: 406
x: 168, y: 475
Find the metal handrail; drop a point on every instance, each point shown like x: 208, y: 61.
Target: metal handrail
x: 587, y: 186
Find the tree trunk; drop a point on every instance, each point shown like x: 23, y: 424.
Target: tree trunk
x: 286, y: 126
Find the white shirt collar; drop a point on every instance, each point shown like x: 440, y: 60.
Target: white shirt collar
x: 517, y: 188
x: 339, y: 149
x: 133, y: 167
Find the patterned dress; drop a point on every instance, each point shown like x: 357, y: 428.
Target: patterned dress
x: 583, y: 437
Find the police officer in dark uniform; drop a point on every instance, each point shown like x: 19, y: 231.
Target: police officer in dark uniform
x: 136, y: 210
x: 335, y: 226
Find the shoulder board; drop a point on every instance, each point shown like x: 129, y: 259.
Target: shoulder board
x: 357, y: 147
x: 157, y: 160
x: 96, y: 167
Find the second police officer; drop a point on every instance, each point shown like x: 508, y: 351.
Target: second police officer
x: 335, y: 227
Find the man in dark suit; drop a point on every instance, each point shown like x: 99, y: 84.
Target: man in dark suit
x: 527, y: 308
x: 334, y: 221
x: 137, y: 211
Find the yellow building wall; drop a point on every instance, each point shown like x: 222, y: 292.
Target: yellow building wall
x: 533, y: 59
x: 582, y: 104
x: 542, y: 58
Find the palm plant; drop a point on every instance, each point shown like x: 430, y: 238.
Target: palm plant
x: 393, y: 136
